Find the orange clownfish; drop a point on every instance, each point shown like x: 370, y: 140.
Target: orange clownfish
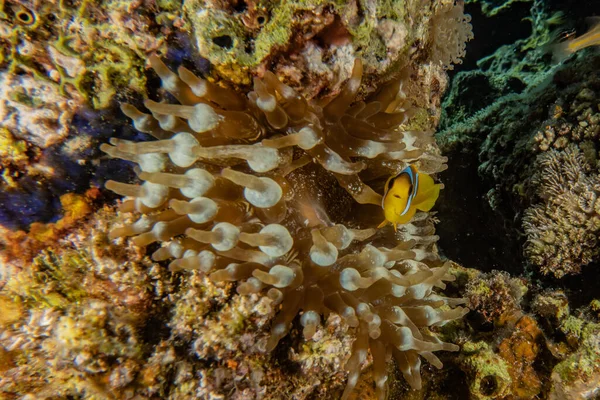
x: 405, y: 193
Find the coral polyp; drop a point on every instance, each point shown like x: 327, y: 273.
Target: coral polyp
x: 248, y: 189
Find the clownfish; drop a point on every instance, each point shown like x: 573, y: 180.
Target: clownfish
x: 405, y: 193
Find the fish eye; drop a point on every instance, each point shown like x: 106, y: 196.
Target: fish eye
x: 25, y: 17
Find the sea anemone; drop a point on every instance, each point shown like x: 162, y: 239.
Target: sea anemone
x: 270, y: 191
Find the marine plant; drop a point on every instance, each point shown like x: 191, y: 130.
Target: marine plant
x: 271, y: 191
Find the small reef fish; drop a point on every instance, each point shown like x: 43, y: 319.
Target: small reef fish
x: 405, y: 193
x: 563, y: 50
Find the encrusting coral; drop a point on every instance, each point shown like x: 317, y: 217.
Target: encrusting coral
x: 489, y: 373
x: 311, y: 44
x: 62, y: 65
x: 576, y: 346
x: 89, y: 51
x: 233, y: 189
x: 72, y: 320
x: 495, y: 296
x: 503, y: 351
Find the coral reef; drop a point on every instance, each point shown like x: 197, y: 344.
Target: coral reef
x: 74, y: 323
x: 521, y: 350
x: 496, y: 296
x: 87, y: 51
x: 93, y: 318
x: 521, y: 136
x: 526, y: 135
x: 90, y: 316
x: 502, y: 344
x: 312, y: 44
x: 62, y: 65
x: 59, y: 59
x: 561, y: 224
x: 575, y: 375
x: 501, y: 140
x: 489, y: 376
x: 554, y: 181
x: 524, y: 348
x: 553, y: 305
x: 236, y: 298
x: 235, y: 202
x: 505, y: 368
x: 562, y: 231
x: 34, y: 110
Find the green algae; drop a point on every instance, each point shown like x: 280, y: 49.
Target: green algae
x: 481, y: 288
x: 52, y: 281
x: 420, y: 121
x: 11, y: 149
x: 485, y: 368
x: 492, y: 8
x: 583, y: 364
x: 573, y: 326
x: 595, y: 305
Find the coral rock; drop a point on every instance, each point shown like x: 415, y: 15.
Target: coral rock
x: 488, y: 373
x: 520, y: 351
x: 312, y: 44
x: 496, y: 296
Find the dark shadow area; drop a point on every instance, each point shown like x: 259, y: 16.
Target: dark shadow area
x: 155, y: 328
x: 36, y: 198
x: 281, y: 353
x: 471, y: 233
x: 491, y: 33
x: 510, y: 25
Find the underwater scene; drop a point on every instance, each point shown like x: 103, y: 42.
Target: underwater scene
x: 299, y: 199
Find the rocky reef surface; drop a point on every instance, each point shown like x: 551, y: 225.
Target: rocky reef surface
x: 252, y: 140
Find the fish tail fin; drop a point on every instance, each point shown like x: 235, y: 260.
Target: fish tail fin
x: 384, y: 223
x: 429, y: 192
x: 561, y: 51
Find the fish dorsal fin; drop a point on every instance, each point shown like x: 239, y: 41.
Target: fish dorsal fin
x: 592, y: 21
